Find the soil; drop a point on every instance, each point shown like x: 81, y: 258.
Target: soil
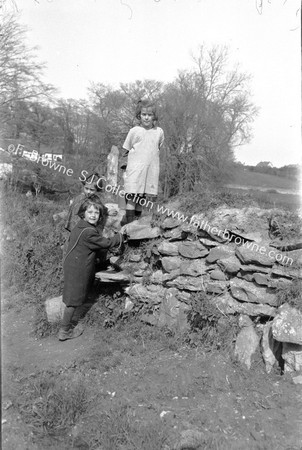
x: 181, y: 387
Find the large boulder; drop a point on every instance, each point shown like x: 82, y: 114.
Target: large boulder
x: 287, y: 325
x: 247, y: 341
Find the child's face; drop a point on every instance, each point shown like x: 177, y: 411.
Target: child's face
x: 147, y: 118
x: 89, y: 189
x: 92, y: 215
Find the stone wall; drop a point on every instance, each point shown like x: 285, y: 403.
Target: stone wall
x: 181, y: 261
x: 167, y: 265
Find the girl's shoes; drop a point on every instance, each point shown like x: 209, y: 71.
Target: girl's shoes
x: 70, y: 334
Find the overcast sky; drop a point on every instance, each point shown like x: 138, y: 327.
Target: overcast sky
x: 113, y: 41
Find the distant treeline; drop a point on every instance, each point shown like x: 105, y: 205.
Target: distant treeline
x: 291, y: 171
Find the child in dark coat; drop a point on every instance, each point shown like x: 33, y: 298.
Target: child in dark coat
x: 91, y: 186
x: 79, y: 266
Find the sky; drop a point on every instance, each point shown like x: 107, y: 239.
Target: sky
x: 116, y: 41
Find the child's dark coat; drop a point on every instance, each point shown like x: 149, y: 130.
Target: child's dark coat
x: 79, y: 264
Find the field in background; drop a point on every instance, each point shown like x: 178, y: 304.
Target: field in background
x: 269, y: 191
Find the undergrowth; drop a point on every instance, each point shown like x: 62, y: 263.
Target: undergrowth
x: 32, y: 252
x: 291, y: 294
x: 211, y: 329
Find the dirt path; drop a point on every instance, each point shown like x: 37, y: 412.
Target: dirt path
x: 190, y: 389
x: 23, y: 355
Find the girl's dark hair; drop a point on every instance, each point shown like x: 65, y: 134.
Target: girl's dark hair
x: 94, y: 200
x: 146, y: 104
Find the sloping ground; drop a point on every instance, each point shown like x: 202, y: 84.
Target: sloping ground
x: 264, y: 180
x: 145, y: 389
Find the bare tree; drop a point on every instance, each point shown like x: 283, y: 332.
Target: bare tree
x: 20, y: 72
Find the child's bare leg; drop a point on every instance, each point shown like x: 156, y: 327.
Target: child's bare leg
x: 138, y: 208
x: 130, y: 210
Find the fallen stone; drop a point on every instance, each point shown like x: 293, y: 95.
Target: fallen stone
x: 271, y: 349
x: 219, y: 253
x: 192, y: 249
x: 187, y: 283
x: 218, y: 275
x: 228, y: 305
x: 229, y: 265
x: 248, y: 256
x: 247, y: 343
x: 170, y: 263
x: 292, y: 355
x: 193, y: 268
x: 248, y: 292
x: 287, y: 325
x: 168, y: 248
x: 54, y: 309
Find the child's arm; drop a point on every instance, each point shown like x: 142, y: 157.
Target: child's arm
x: 124, y: 158
x: 126, y: 148
x: 95, y: 241
x: 161, y: 139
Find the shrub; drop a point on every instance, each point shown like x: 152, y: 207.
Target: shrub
x: 32, y: 249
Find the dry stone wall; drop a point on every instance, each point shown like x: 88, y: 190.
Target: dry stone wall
x: 184, y: 262
x: 169, y: 265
